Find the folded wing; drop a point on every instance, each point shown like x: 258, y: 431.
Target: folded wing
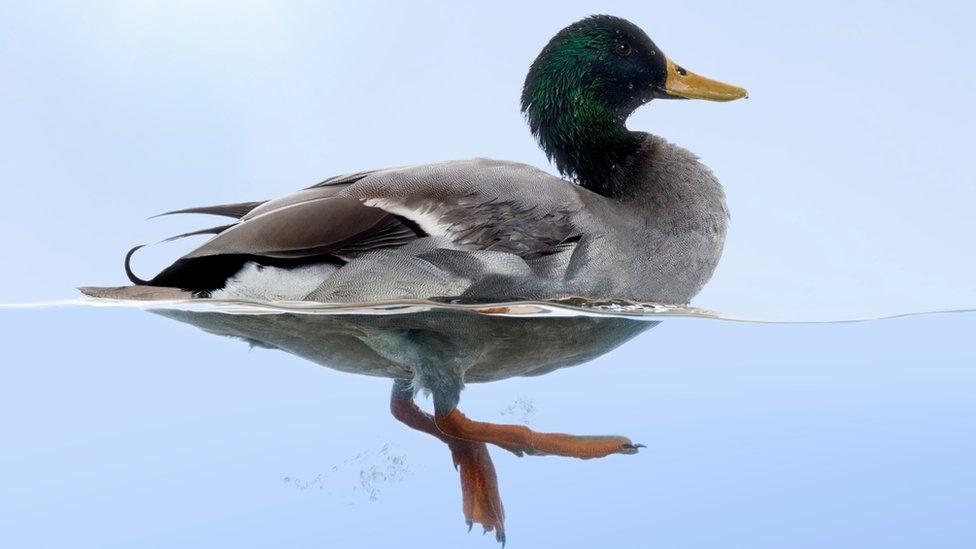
x: 477, y: 204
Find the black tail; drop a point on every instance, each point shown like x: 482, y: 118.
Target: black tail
x: 128, y: 270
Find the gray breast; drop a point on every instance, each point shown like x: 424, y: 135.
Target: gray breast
x: 663, y: 242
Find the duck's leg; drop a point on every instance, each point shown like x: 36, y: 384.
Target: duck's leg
x: 521, y: 440
x: 479, y: 485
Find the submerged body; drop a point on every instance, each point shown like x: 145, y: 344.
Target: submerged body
x: 439, y: 349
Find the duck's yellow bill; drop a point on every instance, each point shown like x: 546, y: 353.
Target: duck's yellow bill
x: 684, y: 83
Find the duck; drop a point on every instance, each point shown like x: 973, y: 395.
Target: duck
x: 633, y: 217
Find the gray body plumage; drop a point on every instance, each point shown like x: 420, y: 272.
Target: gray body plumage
x: 497, y: 230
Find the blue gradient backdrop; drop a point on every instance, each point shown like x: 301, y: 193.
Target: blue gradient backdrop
x: 849, y: 177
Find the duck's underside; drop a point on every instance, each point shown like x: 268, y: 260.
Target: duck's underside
x: 439, y: 351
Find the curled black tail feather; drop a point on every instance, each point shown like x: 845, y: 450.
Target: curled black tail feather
x: 128, y: 269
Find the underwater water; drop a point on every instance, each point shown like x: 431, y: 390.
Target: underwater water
x: 183, y: 427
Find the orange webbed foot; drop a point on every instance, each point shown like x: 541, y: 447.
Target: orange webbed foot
x: 481, y: 501
x: 520, y: 440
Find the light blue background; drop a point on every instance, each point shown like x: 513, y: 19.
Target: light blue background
x: 848, y: 175
x: 848, y: 171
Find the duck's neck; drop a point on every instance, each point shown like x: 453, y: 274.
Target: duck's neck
x: 589, y: 144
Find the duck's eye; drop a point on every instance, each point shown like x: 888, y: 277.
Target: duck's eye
x: 622, y: 49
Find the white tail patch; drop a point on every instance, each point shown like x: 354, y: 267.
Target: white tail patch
x: 262, y: 283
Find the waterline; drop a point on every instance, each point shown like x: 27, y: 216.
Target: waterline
x: 573, y: 307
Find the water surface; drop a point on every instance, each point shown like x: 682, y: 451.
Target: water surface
x: 124, y: 427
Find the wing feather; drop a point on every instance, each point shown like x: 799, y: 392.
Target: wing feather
x: 480, y: 204
x: 307, y: 228
x: 237, y: 210
x: 475, y: 204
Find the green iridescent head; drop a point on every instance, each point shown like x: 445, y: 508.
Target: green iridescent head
x: 588, y: 80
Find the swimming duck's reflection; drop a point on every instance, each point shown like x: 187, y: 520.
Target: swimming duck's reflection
x: 439, y: 351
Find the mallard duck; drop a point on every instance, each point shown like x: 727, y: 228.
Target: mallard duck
x: 635, y: 217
